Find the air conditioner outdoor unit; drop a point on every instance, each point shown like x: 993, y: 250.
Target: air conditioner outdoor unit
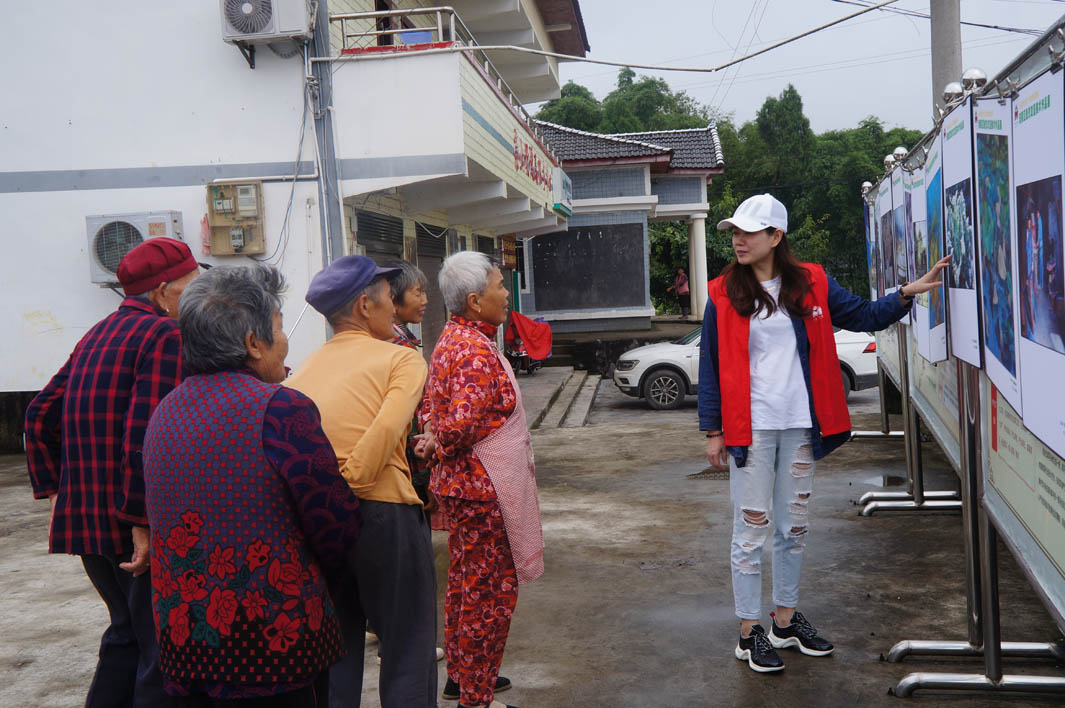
x: 265, y: 21
x: 112, y: 236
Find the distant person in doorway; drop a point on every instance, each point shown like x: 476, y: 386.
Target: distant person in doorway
x: 84, y: 434
x: 771, y: 402
x: 484, y: 478
x: 681, y: 290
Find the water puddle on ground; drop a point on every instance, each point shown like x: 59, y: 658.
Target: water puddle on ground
x: 887, y: 480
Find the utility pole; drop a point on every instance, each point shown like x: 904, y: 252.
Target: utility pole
x: 946, y: 47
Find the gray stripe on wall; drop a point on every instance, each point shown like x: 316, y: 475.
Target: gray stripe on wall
x: 403, y: 166
x: 141, y: 177
x: 468, y: 107
x: 191, y: 175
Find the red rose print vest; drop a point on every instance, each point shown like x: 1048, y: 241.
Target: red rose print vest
x: 237, y: 596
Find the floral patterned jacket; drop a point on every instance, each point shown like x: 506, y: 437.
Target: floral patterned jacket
x: 247, y: 507
x: 469, y: 396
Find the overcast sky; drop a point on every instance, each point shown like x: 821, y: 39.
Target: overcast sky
x: 876, y: 64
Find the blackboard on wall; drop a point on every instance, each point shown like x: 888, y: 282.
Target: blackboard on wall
x: 590, y: 268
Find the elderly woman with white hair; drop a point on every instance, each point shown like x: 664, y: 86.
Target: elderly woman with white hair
x: 484, y: 478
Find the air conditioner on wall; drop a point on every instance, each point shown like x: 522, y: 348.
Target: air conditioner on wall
x: 112, y: 236
x: 265, y: 21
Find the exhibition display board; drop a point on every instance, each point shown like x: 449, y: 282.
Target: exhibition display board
x: 989, y: 193
x: 984, y: 365
x: 933, y: 302
x: 1038, y: 162
x: 1025, y: 490
x: 960, y: 242
x: 1000, y: 308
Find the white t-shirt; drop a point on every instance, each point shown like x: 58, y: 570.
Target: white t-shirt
x: 778, y: 391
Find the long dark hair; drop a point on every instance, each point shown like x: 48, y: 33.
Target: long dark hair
x: 747, y: 295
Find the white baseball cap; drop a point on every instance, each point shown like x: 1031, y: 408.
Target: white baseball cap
x: 762, y: 211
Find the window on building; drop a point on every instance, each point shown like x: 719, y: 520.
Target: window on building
x: 384, y: 23
x: 519, y: 247
x: 487, y: 246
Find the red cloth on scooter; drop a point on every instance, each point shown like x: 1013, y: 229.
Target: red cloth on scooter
x: 535, y: 336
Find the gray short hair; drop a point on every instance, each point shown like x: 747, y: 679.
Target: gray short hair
x: 408, y: 276
x: 463, y: 273
x: 219, y: 308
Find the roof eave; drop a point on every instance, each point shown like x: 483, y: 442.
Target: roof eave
x: 607, y: 161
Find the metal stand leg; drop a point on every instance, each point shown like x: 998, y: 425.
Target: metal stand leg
x: 915, y: 498
x: 992, y: 679
x: 981, y: 571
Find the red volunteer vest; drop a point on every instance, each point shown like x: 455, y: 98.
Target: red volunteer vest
x: 734, y: 364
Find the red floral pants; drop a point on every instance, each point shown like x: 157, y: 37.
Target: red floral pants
x: 482, y: 590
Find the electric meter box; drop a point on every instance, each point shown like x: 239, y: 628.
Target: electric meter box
x: 235, y: 215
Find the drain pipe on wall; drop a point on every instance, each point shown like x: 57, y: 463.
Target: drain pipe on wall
x: 321, y: 77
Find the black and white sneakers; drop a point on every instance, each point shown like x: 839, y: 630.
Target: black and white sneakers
x: 758, y: 652
x: 801, y: 635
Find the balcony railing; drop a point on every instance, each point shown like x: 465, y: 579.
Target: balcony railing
x: 424, y: 29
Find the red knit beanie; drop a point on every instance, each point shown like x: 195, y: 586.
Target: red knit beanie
x: 156, y: 261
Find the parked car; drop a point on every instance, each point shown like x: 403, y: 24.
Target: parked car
x: 666, y: 372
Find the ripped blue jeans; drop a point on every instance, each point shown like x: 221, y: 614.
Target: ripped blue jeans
x: 772, y: 491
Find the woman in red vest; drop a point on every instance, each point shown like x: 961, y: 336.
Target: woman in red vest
x: 771, y: 402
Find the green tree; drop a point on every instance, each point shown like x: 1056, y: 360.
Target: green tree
x: 576, y: 108
x: 818, y: 177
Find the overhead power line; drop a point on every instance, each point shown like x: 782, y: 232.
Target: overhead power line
x: 650, y: 67
x: 924, y: 15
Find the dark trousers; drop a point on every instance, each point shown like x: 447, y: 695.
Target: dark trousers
x: 127, y: 673
x: 393, y: 585
x: 314, y: 696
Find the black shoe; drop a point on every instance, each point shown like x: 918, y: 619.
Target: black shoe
x: 801, y: 635
x: 758, y: 652
x: 451, y: 688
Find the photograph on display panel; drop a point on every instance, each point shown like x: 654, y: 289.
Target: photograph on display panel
x: 870, y: 249
x: 1038, y: 163
x: 907, y: 272
x: 960, y: 236
x: 934, y: 196
x: 996, y: 248
x: 899, y: 218
x: 887, y: 250
x: 1040, y: 252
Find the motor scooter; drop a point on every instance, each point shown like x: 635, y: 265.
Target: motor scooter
x: 526, y: 343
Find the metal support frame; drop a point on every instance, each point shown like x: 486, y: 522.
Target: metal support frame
x: 981, y: 575
x: 248, y: 51
x: 915, y: 498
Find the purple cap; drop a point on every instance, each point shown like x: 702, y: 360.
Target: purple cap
x: 342, y: 280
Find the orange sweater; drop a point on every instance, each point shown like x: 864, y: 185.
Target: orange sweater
x: 366, y: 391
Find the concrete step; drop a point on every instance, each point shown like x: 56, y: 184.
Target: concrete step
x: 582, y: 405
x: 558, y: 410
x: 541, y: 389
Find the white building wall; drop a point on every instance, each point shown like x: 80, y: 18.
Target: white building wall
x: 133, y: 110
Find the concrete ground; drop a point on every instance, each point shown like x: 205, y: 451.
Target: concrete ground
x: 636, y: 606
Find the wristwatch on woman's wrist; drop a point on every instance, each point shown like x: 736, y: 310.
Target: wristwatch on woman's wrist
x: 906, y: 299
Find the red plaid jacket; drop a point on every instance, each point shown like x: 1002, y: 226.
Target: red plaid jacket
x: 85, y: 429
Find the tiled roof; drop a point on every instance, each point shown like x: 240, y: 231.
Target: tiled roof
x: 573, y: 144
x: 694, y: 148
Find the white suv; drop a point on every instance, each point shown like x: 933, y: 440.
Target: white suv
x: 665, y: 372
